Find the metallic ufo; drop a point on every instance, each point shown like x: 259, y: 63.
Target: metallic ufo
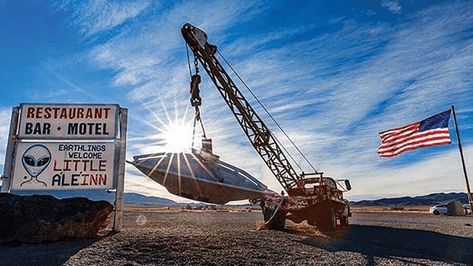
x: 200, y: 176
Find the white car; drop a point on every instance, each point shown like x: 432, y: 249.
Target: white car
x: 439, y: 209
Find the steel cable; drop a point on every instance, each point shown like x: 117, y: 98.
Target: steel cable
x: 272, y: 118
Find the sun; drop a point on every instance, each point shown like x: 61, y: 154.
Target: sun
x: 177, y: 137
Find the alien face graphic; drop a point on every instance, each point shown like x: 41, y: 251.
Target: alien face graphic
x: 35, y: 159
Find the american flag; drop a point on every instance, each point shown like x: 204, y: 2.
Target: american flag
x: 429, y: 132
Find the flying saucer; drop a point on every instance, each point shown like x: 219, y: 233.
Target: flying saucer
x: 200, y: 176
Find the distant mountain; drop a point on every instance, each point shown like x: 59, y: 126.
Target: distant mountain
x: 136, y: 198
x: 431, y: 199
x: 129, y: 198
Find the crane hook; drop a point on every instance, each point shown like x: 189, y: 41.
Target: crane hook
x: 195, y: 100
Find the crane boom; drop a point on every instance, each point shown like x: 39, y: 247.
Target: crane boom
x: 255, y: 129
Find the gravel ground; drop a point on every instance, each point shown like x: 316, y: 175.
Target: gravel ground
x: 210, y: 238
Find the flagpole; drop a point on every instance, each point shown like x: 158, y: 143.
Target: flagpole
x: 470, y: 200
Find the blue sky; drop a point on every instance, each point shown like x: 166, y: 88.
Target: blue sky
x: 333, y: 73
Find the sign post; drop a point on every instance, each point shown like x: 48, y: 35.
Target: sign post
x: 7, y: 168
x: 67, y: 147
x: 117, y: 222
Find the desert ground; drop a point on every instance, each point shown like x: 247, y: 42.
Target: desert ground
x: 229, y: 238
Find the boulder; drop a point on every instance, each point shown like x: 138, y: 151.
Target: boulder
x: 455, y: 208
x: 42, y: 218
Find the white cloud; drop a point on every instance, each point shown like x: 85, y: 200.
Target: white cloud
x: 332, y: 92
x: 441, y: 173
x: 94, y: 16
x: 392, y: 6
x: 370, y: 12
x: 422, y: 63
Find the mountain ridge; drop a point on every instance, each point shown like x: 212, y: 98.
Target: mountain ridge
x: 430, y: 199
x: 129, y: 197
x: 137, y: 198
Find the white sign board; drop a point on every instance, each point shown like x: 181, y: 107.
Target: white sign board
x: 63, y: 166
x: 65, y: 147
x: 63, y: 121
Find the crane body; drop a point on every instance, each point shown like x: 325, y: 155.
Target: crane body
x: 310, y: 196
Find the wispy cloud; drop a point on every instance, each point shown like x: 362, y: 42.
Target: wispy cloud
x: 392, y: 6
x: 332, y: 90
x: 439, y: 173
x: 94, y: 16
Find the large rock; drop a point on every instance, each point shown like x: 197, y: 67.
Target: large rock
x: 33, y: 219
x: 455, y: 208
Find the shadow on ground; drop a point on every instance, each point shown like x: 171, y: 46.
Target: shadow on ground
x: 53, y: 253
x: 386, y: 242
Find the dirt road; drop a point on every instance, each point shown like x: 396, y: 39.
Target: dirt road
x: 229, y: 238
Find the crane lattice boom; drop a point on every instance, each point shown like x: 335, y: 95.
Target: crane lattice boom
x: 255, y: 129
